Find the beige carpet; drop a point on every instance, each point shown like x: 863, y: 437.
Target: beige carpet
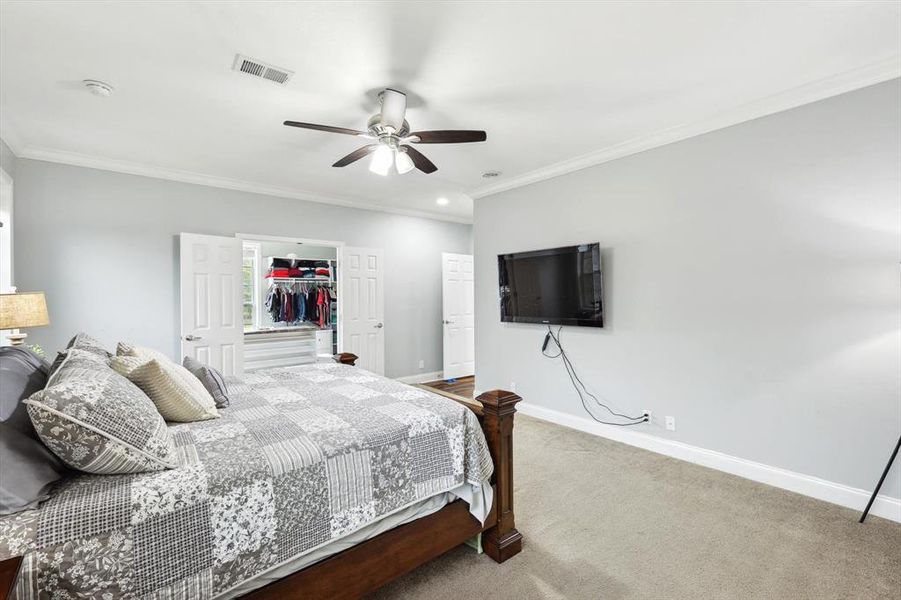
x: 606, y: 520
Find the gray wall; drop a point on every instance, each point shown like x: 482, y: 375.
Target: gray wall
x: 752, y: 287
x: 103, y: 246
x: 8, y: 160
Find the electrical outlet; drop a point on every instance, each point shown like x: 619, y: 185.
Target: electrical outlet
x: 647, y: 415
x: 513, y: 386
x: 671, y: 423
x: 422, y: 364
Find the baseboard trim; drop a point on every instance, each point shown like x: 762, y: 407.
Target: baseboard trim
x: 814, y: 487
x: 420, y: 377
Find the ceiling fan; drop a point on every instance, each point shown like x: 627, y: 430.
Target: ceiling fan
x: 392, y: 133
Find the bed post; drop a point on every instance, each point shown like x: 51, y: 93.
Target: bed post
x: 498, y: 406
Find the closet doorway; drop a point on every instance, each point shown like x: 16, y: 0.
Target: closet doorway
x: 316, y: 307
x: 290, y: 301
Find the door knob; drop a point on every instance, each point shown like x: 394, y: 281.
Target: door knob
x: 192, y: 338
x: 446, y: 322
x: 378, y: 325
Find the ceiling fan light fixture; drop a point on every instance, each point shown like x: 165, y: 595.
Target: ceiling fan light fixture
x: 391, y: 132
x: 403, y: 162
x: 382, y: 160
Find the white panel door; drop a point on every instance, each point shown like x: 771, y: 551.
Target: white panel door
x: 361, y: 297
x: 212, y: 323
x: 458, y: 317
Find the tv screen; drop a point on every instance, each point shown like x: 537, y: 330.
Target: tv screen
x: 560, y: 286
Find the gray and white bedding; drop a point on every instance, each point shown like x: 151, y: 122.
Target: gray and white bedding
x: 302, y: 457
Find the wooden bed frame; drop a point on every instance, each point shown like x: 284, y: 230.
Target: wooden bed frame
x: 371, y: 564
x: 379, y: 560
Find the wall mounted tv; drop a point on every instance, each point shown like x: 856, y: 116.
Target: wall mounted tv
x: 559, y: 286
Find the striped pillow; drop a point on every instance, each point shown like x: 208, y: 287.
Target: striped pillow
x: 211, y: 379
x: 178, y: 395
x: 97, y: 421
x: 124, y: 365
x: 125, y: 349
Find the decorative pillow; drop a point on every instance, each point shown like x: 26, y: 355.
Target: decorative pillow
x: 123, y: 349
x: 124, y: 365
x: 211, y: 379
x: 97, y: 421
x: 178, y: 395
x: 80, y: 356
x: 28, y: 470
x: 83, y: 341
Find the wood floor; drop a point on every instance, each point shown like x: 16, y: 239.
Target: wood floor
x: 462, y: 386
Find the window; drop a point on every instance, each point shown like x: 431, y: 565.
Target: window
x: 250, y: 289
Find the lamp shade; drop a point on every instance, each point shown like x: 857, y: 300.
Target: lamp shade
x: 23, y: 310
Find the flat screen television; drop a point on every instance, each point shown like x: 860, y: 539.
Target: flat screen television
x: 559, y: 286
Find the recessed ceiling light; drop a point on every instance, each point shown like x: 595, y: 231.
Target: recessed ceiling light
x: 98, y: 88
x: 490, y: 174
x: 442, y: 201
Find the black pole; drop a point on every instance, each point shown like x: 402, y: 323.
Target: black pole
x: 881, y: 479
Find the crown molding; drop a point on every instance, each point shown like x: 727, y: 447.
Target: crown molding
x: 872, y: 74
x: 132, y: 168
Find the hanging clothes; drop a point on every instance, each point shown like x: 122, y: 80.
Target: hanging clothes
x: 274, y: 302
x: 300, y: 305
x: 289, y: 307
x: 312, y: 305
x: 281, y: 307
x: 301, y: 300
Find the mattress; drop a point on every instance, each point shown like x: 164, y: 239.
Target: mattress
x: 303, y: 457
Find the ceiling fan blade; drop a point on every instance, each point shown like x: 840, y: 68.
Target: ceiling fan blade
x: 450, y: 136
x: 421, y: 162
x: 394, y: 108
x: 356, y: 155
x: 328, y: 128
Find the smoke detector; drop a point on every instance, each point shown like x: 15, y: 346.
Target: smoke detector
x: 258, y: 68
x: 98, y: 88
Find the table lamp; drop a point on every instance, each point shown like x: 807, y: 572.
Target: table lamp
x: 27, y: 309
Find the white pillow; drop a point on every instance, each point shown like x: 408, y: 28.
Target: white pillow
x: 176, y: 392
x: 123, y: 349
x: 124, y: 364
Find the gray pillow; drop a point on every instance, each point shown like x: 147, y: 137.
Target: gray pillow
x: 28, y: 470
x: 97, y: 421
x: 83, y: 341
x: 211, y: 378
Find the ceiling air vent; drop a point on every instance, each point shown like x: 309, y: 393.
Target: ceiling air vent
x: 258, y: 68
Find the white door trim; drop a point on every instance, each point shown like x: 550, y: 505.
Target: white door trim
x: 288, y: 240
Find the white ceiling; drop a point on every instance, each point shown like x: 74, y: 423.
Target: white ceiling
x: 554, y: 84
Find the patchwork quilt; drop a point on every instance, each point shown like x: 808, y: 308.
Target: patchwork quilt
x: 304, y: 455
